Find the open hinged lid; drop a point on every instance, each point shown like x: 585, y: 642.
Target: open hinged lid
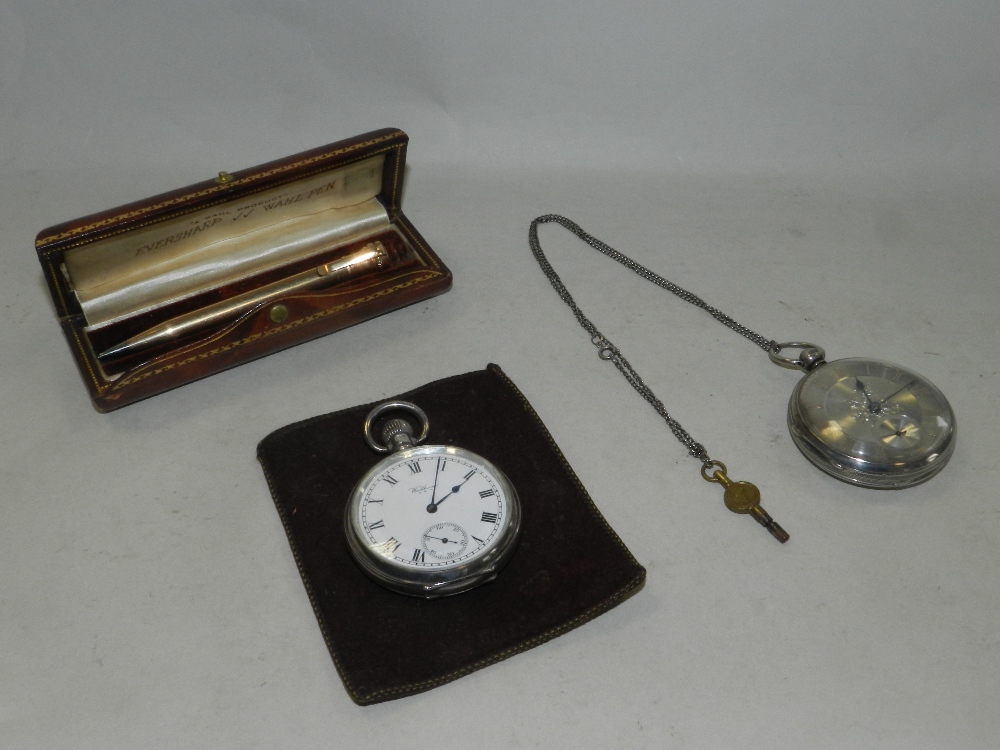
x: 127, y: 261
x: 187, y: 283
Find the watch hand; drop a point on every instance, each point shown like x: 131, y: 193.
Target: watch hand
x: 444, y: 539
x: 896, y: 393
x: 437, y: 471
x: 432, y: 508
x: 872, y: 407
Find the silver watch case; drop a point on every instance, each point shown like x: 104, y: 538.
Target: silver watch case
x: 890, y: 444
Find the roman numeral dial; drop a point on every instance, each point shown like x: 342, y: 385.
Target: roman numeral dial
x: 422, y: 510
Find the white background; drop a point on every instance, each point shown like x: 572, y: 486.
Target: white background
x: 821, y: 171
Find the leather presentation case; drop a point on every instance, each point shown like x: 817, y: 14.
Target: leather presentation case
x: 164, y: 291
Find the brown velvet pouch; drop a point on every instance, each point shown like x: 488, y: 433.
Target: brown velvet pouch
x: 569, y: 567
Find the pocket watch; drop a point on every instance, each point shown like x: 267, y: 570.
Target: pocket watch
x: 864, y: 421
x: 868, y: 422
x: 429, y: 520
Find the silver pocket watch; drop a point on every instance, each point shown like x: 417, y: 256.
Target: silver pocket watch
x: 867, y: 422
x: 863, y: 421
x: 429, y: 520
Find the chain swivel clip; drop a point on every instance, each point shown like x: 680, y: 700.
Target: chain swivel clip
x: 605, y: 349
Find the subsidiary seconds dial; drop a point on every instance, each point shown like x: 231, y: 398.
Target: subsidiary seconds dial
x: 430, y: 520
x: 437, y: 545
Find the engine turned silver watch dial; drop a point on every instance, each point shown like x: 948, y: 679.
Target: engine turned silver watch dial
x: 869, y: 422
x: 429, y: 520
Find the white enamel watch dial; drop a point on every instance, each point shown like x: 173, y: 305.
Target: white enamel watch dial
x: 870, y: 423
x: 430, y: 520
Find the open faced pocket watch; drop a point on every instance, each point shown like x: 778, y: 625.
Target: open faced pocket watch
x: 867, y: 422
x: 863, y: 421
x: 429, y: 520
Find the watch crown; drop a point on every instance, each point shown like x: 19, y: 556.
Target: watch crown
x: 811, y: 358
x: 397, y: 434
